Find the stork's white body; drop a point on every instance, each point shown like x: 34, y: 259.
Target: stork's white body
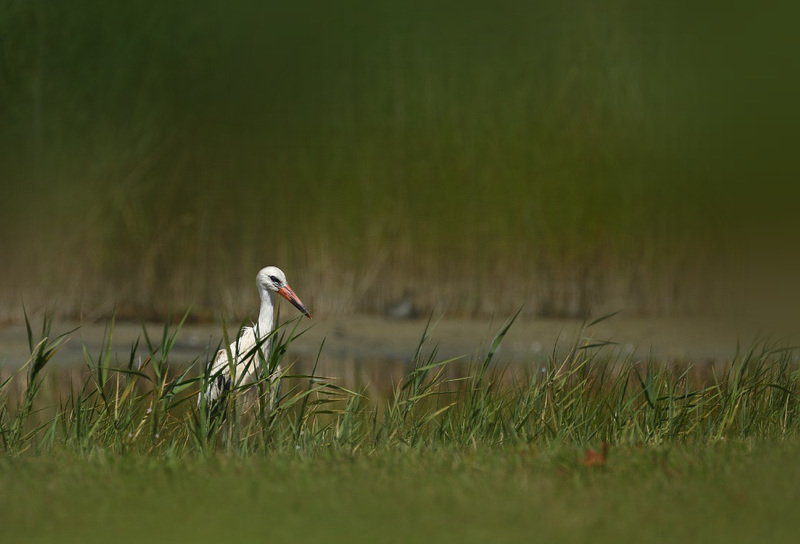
x: 253, y: 343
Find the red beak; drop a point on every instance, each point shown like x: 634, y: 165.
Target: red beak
x: 287, y: 293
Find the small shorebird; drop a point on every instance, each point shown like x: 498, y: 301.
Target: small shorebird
x: 251, y: 342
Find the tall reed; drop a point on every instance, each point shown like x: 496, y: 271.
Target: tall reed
x: 592, y: 394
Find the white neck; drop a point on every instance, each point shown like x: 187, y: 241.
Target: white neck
x: 265, y: 314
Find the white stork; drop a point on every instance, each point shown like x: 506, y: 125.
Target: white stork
x: 252, y: 341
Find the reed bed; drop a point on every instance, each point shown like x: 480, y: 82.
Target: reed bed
x: 509, y: 154
x: 591, y: 396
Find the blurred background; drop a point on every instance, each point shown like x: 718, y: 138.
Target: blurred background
x: 473, y: 157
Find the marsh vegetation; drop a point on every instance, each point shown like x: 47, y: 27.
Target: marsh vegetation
x: 519, y: 154
x: 563, y: 448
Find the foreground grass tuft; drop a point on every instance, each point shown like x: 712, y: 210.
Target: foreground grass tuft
x: 591, y: 396
x: 594, y: 446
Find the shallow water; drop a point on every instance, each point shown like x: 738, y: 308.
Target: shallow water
x: 369, y: 341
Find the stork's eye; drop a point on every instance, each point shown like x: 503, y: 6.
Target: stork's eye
x: 275, y: 280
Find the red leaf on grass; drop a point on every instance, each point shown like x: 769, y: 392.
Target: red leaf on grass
x: 594, y: 458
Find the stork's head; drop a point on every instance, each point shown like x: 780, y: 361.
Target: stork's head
x: 272, y: 278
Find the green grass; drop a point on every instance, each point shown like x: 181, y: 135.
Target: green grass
x: 730, y: 492
x: 147, y: 405
x: 592, y: 446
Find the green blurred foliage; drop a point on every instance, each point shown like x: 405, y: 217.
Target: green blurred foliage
x: 161, y: 151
